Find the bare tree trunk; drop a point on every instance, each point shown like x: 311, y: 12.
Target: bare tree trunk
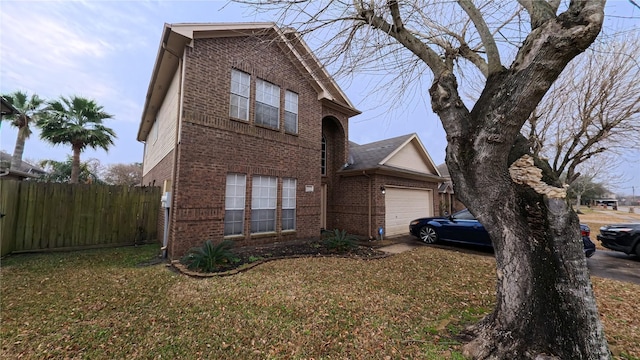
x: 75, y: 165
x: 545, y: 303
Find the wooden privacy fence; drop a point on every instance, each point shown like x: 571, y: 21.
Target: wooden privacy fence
x: 50, y: 216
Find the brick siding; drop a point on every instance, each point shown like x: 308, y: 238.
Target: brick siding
x: 351, y: 211
x: 213, y: 145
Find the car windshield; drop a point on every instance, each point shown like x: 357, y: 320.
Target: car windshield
x: 463, y: 215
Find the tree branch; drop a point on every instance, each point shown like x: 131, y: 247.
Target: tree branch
x: 493, y: 55
x: 540, y: 11
x: 413, y: 44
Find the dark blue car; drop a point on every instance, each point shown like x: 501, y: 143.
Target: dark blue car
x: 463, y: 227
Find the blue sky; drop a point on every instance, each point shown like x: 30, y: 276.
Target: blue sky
x: 105, y: 50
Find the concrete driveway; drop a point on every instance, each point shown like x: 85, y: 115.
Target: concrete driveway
x: 615, y: 265
x: 606, y: 264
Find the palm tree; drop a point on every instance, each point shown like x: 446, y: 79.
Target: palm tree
x: 76, y: 121
x: 29, y: 109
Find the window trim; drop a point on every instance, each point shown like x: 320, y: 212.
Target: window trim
x: 288, y: 104
x: 246, y: 98
x: 265, y: 95
x: 289, y: 184
x: 235, y: 196
x: 272, y: 201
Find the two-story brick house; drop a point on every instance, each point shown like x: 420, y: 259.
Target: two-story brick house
x: 249, y: 134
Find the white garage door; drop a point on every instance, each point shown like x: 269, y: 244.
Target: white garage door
x: 404, y: 205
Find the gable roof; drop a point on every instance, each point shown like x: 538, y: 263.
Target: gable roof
x: 444, y: 170
x: 395, y: 155
x: 175, y: 37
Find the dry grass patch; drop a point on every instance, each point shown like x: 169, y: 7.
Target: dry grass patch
x: 98, y: 304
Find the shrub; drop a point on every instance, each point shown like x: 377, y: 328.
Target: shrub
x: 339, y: 241
x: 209, y: 257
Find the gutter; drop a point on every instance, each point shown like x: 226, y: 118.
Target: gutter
x: 174, y: 170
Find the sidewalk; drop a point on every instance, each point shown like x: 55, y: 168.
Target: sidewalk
x: 400, y: 244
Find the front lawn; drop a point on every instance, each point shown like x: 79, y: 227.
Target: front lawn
x: 101, y: 304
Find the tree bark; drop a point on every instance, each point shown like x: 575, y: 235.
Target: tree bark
x: 18, y: 150
x: 545, y: 303
x: 75, y: 165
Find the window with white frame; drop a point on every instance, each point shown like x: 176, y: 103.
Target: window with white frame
x: 234, y: 204
x: 240, y: 87
x: 291, y: 112
x: 267, y: 104
x: 289, y: 204
x: 264, y: 194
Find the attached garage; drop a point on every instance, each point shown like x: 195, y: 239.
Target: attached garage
x: 403, y: 205
x: 385, y: 184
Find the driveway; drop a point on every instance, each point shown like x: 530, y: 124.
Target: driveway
x: 615, y: 265
x: 606, y: 264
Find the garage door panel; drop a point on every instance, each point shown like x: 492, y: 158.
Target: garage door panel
x: 404, y: 205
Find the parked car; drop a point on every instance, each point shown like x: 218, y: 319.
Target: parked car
x: 463, y: 227
x: 621, y: 237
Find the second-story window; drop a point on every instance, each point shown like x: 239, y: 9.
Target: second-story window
x: 291, y: 112
x: 240, y: 87
x: 267, y: 104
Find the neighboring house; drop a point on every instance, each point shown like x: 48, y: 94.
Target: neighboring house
x: 249, y: 134
x: 449, y: 203
x: 25, y: 171
x: 6, y: 108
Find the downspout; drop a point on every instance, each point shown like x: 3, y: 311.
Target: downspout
x: 169, y: 214
x: 370, y: 190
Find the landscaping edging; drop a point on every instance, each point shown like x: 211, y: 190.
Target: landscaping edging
x: 175, y: 264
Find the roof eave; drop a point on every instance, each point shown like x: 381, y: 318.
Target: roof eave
x: 8, y: 108
x: 171, y: 45
x: 392, y: 171
x: 345, y: 109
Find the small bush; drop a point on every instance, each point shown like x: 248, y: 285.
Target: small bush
x: 209, y: 257
x: 339, y: 241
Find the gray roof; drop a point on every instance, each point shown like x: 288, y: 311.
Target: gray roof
x: 25, y: 167
x: 369, y: 156
x: 444, y: 170
x: 7, y: 108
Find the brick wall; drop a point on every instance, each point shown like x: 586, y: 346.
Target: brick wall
x: 335, y: 131
x: 351, y: 211
x: 213, y: 145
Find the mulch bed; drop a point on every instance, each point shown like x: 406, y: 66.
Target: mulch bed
x: 251, y: 256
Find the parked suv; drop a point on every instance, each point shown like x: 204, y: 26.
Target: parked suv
x: 621, y: 237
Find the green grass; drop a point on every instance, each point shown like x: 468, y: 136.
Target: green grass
x: 99, y: 305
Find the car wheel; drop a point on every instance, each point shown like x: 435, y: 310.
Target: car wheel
x: 428, y: 235
x: 638, y: 250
